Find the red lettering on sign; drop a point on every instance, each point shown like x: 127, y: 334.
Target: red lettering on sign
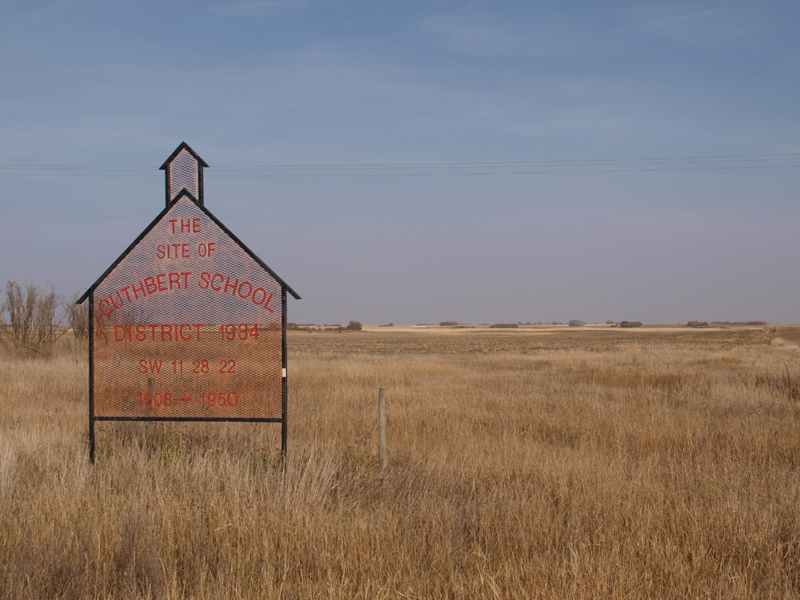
x: 243, y: 290
x: 150, y: 366
x: 249, y: 290
x: 160, y: 282
x: 219, y: 399
x: 114, y: 304
x: 185, y: 225
x: 150, y: 284
x: 156, y: 399
x: 205, y: 249
x: 140, y: 290
x: 172, y: 251
x: 242, y: 331
x: 232, y: 287
x: 158, y: 332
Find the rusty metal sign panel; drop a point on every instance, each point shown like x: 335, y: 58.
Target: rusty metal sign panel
x: 188, y: 324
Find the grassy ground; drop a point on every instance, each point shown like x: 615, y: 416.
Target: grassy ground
x: 576, y: 464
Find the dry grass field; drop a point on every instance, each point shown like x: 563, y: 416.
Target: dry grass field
x: 572, y: 464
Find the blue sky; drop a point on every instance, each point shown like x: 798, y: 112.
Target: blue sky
x: 291, y: 82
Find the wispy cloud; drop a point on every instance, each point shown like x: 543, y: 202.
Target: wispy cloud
x: 483, y: 35
x: 255, y: 8
x: 695, y: 24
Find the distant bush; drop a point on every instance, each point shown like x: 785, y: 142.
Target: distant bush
x: 630, y: 323
x: 354, y: 326
x: 387, y: 325
x: 504, y: 326
x: 78, y: 318
x: 575, y: 323
x: 448, y: 323
x: 309, y: 327
x: 30, y: 322
x: 609, y: 322
x: 697, y: 324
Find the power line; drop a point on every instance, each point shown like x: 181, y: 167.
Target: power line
x: 714, y: 158
x: 510, y: 172
x: 719, y: 158
x: 423, y: 169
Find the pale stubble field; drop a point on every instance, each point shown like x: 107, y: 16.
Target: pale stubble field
x: 578, y: 464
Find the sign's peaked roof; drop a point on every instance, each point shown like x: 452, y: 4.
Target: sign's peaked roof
x: 183, y: 146
x: 159, y: 218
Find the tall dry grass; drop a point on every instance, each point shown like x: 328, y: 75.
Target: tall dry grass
x: 573, y: 465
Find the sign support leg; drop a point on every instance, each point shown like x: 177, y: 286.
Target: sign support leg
x: 284, y: 387
x: 283, y: 444
x: 91, y: 378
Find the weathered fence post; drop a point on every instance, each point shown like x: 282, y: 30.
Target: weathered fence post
x: 382, y: 427
x: 147, y: 423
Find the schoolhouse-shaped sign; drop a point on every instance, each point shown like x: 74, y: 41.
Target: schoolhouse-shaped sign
x: 188, y: 324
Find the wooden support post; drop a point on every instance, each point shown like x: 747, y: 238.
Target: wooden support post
x: 382, y: 427
x: 147, y: 423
